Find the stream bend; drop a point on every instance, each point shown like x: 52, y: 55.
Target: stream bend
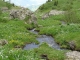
x: 42, y: 38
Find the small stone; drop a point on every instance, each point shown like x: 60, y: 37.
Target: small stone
x: 3, y: 42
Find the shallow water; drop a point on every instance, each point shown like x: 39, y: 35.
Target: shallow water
x: 31, y: 46
x: 42, y: 38
x: 49, y: 40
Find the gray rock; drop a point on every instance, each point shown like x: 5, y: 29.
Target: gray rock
x: 55, y: 12
x: 51, y: 13
x: 3, y: 42
x: 33, y: 19
x: 73, y: 55
x: 14, y: 14
x: 20, y: 13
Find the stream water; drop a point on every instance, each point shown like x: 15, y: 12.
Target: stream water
x: 42, y: 38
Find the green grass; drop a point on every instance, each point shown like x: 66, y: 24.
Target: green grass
x: 63, y: 34
x: 48, y: 22
x: 62, y: 5
x: 64, y: 39
x: 17, y: 54
x: 6, y: 4
x: 35, y: 54
x: 16, y: 32
x: 2, y: 4
x: 51, y: 53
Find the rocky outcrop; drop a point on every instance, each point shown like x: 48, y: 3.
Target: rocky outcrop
x: 3, y: 42
x: 33, y: 19
x: 55, y: 12
x: 73, y: 55
x: 51, y: 13
x: 20, y: 13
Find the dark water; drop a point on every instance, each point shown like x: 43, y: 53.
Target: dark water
x: 42, y: 38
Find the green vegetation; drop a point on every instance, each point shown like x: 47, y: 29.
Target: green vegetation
x: 16, y: 32
x: 35, y: 54
x: 72, y: 16
x: 17, y: 54
x: 50, y: 52
x: 6, y: 4
x: 63, y: 34
x: 48, y: 22
x: 2, y: 4
x: 63, y: 5
x: 60, y: 5
x: 64, y: 28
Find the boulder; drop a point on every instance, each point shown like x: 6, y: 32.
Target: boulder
x: 20, y: 13
x: 73, y: 55
x: 3, y: 42
x: 13, y: 14
x: 33, y: 19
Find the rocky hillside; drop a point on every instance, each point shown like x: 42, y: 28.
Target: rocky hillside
x: 10, y: 11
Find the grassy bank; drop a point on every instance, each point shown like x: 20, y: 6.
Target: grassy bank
x: 63, y: 33
x: 35, y: 54
x: 16, y: 33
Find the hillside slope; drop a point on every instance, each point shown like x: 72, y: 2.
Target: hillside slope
x: 65, y: 28
x: 5, y: 4
x: 60, y: 5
